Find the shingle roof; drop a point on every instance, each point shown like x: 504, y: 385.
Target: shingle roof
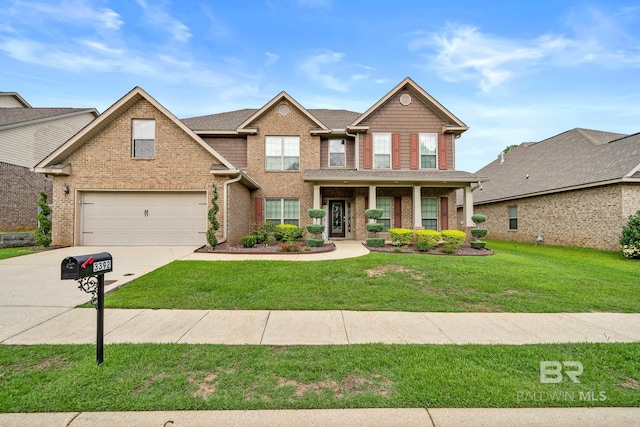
x: 229, y: 121
x: 404, y: 176
x: 578, y: 157
x: 13, y: 116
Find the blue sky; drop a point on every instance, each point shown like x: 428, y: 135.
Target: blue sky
x: 513, y: 71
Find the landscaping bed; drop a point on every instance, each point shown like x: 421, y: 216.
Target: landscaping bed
x: 461, y: 251
x: 265, y: 249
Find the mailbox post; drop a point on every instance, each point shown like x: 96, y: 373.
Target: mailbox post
x: 88, y: 271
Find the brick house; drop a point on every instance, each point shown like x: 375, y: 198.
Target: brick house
x: 577, y: 188
x: 138, y: 175
x: 27, y: 135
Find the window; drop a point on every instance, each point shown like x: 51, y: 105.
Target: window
x: 513, y: 217
x: 282, y: 153
x: 143, y: 136
x: 384, y: 203
x: 337, y: 155
x: 428, y: 150
x: 382, y: 150
x: 429, y: 213
x: 282, y: 211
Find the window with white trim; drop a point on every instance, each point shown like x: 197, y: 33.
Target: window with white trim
x: 384, y: 203
x: 513, y: 217
x: 282, y: 211
x: 429, y: 210
x: 143, y: 138
x: 337, y: 153
x: 282, y: 153
x: 428, y: 150
x: 382, y: 150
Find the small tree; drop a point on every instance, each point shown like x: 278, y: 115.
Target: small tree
x: 630, y: 240
x: 316, y: 228
x: 213, y: 220
x: 42, y: 235
x: 478, y: 233
x: 374, y: 227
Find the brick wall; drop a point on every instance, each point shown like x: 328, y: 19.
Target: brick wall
x: 19, y: 196
x: 104, y: 162
x: 591, y: 217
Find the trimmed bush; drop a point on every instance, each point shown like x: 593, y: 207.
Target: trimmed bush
x: 315, y: 228
x: 374, y: 227
x: 248, y: 241
x: 400, y: 236
x: 478, y: 218
x: 375, y: 242
x: 453, y: 239
x: 288, y: 232
x: 478, y: 245
x: 373, y: 213
x: 478, y: 233
x: 315, y: 243
x: 427, y: 239
x: 42, y: 236
x: 630, y: 240
x: 316, y: 213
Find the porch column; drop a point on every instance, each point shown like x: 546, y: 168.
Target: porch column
x: 372, y: 200
x: 467, y: 206
x: 316, y: 197
x: 417, y: 207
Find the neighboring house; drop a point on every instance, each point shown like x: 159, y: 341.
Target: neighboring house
x: 139, y: 176
x: 27, y: 135
x: 577, y: 188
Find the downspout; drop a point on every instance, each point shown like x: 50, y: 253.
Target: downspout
x: 225, y: 220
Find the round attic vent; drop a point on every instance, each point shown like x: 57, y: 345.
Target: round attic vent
x: 405, y: 99
x: 283, y: 109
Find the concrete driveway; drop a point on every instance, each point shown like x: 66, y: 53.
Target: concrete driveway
x: 31, y: 291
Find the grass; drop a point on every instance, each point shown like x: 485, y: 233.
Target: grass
x: 14, y: 252
x: 179, y: 377
x: 518, y: 278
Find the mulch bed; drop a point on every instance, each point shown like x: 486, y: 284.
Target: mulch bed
x: 265, y: 250
x: 462, y: 251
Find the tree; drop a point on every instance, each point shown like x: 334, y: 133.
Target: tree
x: 213, y: 220
x: 42, y: 235
x: 630, y: 240
x: 509, y: 147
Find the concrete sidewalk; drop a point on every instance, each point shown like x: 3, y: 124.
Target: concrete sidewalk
x: 382, y: 417
x: 272, y: 327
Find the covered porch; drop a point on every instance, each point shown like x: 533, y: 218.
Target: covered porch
x: 409, y: 199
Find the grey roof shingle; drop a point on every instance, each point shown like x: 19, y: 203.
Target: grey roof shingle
x: 577, y: 157
x: 229, y: 121
x: 12, y: 116
x: 404, y: 176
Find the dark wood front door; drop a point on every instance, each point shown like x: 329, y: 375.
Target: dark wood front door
x: 336, y: 216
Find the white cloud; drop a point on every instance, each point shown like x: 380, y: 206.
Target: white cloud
x: 322, y: 68
x: 79, y: 12
x: 272, y: 58
x: 157, y: 16
x: 313, y: 4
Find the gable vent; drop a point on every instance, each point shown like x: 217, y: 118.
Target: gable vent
x: 283, y: 109
x: 405, y: 99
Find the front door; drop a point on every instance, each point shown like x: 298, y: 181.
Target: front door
x: 336, y: 227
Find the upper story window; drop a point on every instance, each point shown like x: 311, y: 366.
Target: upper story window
x: 428, y: 150
x: 337, y: 153
x: 382, y: 150
x: 143, y: 135
x: 282, y: 153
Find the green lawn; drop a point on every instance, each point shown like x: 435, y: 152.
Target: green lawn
x: 518, y: 278
x: 13, y: 252
x: 179, y: 377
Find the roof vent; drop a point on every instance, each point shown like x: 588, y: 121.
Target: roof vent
x: 283, y: 109
x: 501, y: 157
x: 405, y: 99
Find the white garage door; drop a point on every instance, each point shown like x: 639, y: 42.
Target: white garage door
x: 129, y: 219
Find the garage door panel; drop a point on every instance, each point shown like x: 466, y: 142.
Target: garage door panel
x: 128, y: 218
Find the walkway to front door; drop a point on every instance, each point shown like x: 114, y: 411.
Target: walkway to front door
x: 337, y: 218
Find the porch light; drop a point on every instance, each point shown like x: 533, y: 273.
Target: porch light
x: 65, y: 189
x: 213, y: 187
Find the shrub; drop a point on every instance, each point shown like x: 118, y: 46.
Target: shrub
x: 248, y: 241
x: 374, y: 227
x: 290, y: 246
x: 375, y: 242
x: 213, y: 220
x: 316, y: 213
x: 315, y: 243
x: 400, y: 236
x: 630, y: 239
x: 427, y: 239
x: 478, y: 233
x: 315, y: 228
x: 453, y: 239
x: 288, y: 232
x: 373, y: 213
x: 478, y: 218
x: 478, y: 245
x: 42, y: 235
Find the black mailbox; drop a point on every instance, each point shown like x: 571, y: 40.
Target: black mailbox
x: 78, y: 267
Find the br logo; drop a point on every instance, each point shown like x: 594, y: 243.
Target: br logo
x: 551, y: 371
